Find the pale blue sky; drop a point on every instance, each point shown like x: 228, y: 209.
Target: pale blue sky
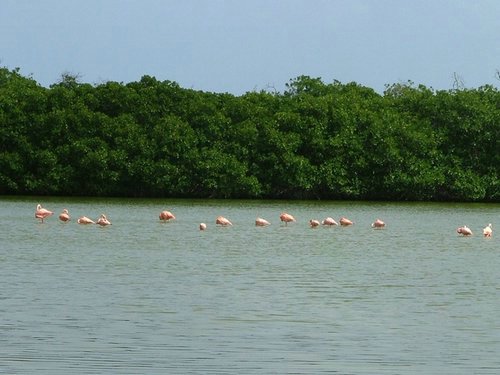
x: 239, y: 46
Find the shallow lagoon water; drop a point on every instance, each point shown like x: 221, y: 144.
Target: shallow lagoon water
x: 141, y: 296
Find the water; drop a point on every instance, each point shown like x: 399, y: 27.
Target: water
x: 145, y: 297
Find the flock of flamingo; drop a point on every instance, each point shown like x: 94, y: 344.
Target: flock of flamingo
x: 42, y: 213
x: 165, y: 216
x: 466, y: 231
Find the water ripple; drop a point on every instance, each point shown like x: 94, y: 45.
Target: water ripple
x: 145, y: 297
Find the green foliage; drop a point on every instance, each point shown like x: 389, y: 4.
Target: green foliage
x: 315, y: 141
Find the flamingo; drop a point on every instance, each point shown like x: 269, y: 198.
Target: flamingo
x: 487, y: 231
x: 64, y: 215
x: 464, y: 231
x: 166, y: 216
x: 287, y: 218
x: 203, y: 226
x: 221, y: 220
x: 329, y: 221
x: 260, y: 222
x: 345, y: 222
x: 42, y: 213
x: 313, y: 223
x: 378, y: 224
x: 103, y: 221
x: 85, y: 220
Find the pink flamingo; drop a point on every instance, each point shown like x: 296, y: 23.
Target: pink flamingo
x: 42, y: 213
x: 260, y: 222
x: 221, y: 220
x: 378, y: 224
x: 329, y: 221
x: 314, y: 223
x: 287, y: 218
x: 203, y: 226
x: 103, y: 221
x: 464, y: 231
x: 488, y: 231
x: 64, y: 215
x: 85, y: 220
x: 166, y: 216
x: 345, y: 222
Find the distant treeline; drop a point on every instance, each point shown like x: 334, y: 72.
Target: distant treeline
x: 313, y: 141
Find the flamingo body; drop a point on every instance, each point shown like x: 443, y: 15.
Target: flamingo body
x: 85, y: 220
x: 378, y: 224
x: 64, y: 216
x: 103, y: 221
x: 260, y: 222
x: 488, y: 231
x: 329, y: 221
x: 345, y: 222
x: 464, y: 231
x: 314, y: 223
x: 42, y: 213
x: 166, y: 216
x: 287, y: 218
x: 221, y: 220
x: 203, y: 226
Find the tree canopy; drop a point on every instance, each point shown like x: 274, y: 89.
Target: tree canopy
x: 314, y: 141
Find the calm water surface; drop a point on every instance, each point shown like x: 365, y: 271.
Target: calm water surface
x: 145, y: 297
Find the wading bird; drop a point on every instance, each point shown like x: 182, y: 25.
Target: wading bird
x: 314, y: 223
x: 64, y: 215
x: 85, y: 220
x: 221, y: 220
x: 42, y: 213
x: 329, y: 221
x: 488, y: 231
x: 260, y: 222
x: 287, y: 218
x: 166, y: 216
x: 345, y: 222
x: 378, y: 224
x: 103, y: 221
x: 464, y: 231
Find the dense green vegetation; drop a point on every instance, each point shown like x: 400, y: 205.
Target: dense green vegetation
x: 314, y: 141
